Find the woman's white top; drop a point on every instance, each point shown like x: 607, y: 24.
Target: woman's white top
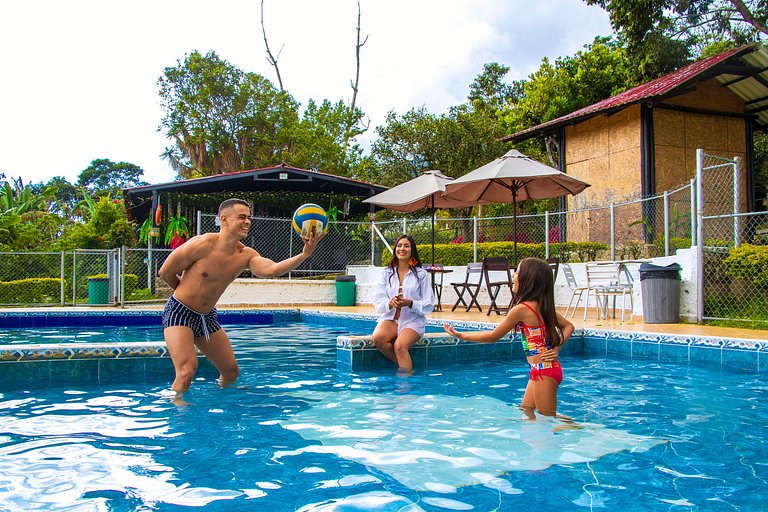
x: 416, y: 287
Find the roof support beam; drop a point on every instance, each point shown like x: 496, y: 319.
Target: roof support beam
x: 704, y: 111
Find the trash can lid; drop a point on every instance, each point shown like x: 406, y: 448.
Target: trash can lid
x: 650, y: 267
x: 346, y: 278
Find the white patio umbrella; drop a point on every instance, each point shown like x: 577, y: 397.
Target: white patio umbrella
x: 424, y: 191
x: 512, y: 177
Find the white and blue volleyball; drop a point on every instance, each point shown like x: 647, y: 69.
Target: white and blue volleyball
x: 309, y: 218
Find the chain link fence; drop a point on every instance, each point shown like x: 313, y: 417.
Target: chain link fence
x: 733, y: 246
x: 58, y: 278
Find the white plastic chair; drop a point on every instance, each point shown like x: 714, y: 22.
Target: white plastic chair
x: 604, y: 281
x: 577, y: 291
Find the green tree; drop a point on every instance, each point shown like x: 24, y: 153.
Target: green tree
x: 222, y: 119
x: 65, y: 195
x: 104, y: 176
x: 600, y: 71
x: 106, y: 228
x: 319, y: 140
x: 25, y: 220
x: 696, y: 22
x: 455, y: 143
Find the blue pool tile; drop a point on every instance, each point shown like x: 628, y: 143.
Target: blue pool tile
x: 117, y: 370
x: 594, y: 347
x: 673, y: 353
x: 503, y: 351
x: 9, y: 321
x: 373, y: 359
x: 645, y: 350
x: 707, y: 354
x: 441, y: 354
x: 344, y: 358
x: 14, y: 374
x: 75, y: 371
x: 741, y: 359
x: 619, y: 347
x: 573, y: 347
x: 472, y: 352
x: 158, y: 369
x: 419, y: 356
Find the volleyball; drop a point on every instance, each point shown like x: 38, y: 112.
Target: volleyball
x: 310, y: 218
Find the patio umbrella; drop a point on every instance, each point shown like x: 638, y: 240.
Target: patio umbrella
x: 424, y: 191
x: 513, y: 176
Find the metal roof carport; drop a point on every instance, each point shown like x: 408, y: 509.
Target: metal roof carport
x: 140, y: 201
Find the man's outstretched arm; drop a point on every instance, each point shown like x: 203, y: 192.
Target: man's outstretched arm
x: 265, y: 267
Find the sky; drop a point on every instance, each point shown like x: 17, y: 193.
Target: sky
x: 79, y: 79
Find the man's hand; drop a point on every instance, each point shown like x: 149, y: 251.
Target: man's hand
x: 310, y: 244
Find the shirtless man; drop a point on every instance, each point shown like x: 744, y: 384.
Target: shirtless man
x: 199, y: 271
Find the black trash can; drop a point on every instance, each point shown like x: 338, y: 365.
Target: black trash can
x: 660, y: 287
x: 345, y: 290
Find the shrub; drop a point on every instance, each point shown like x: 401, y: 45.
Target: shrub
x: 459, y: 254
x: 748, y: 262
x: 30, y: 291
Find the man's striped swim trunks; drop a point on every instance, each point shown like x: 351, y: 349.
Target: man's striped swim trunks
x: 177, y: 313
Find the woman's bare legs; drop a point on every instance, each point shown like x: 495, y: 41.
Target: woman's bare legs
x: 383, y: 337
x: 402, y: 345
x: 395, y: 346
x: 540, y: 395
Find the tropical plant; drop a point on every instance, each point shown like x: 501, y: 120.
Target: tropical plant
x: 176, y: 232
x: 333, y: 213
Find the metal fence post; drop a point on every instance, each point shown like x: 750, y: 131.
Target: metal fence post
x: 736, y: 202
x: 373, y: 242
x: 666, y: 223
x: 122, y: 267
x: 693, y: 212
x: 613, y: 231
x: 546, y: 234
x: 61, y: 270
x: 474, y: 238
x: 290, y: 246
x: 405, y: 226
x: 199, y: 222
x: 699, y: 238
x: 74, y: 278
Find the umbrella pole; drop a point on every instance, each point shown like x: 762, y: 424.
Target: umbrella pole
x: 514, y: 225
x: 433, y: 235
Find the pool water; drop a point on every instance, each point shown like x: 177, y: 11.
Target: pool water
x: 52, y: 335
x: 295, y: 434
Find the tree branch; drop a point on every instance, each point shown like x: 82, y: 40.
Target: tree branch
x: 748, y: 16
x: 270, y: 58
x: 355, y: 84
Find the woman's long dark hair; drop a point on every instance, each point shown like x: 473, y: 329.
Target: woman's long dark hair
x: 535, y: 282
x: 414, y: 261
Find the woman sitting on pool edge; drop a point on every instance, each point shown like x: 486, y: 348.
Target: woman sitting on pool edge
x: 543, y: 329
x: 403, y: 297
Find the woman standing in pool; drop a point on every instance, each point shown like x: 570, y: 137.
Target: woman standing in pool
x: 544, y: 331
x: 403, y: 297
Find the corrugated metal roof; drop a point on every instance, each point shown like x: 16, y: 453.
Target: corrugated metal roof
x: 744, y: 70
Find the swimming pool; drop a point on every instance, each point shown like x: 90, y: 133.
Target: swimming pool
x: 297, y: 434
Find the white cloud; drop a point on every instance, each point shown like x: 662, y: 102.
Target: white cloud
x: 80, y: 77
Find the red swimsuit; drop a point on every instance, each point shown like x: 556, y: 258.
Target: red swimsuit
x: 534, y: 342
